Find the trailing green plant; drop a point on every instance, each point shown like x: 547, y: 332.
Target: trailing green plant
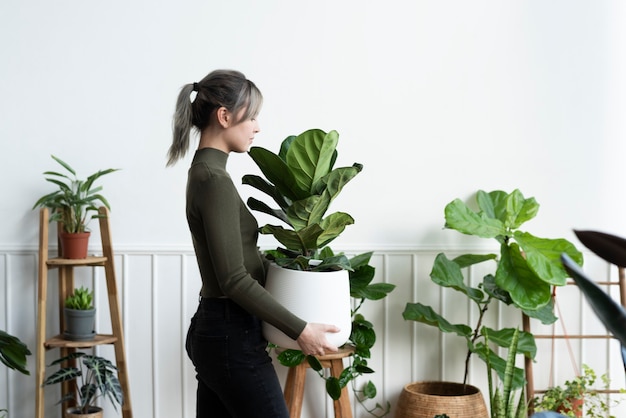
x: 502, y: 397
x: 95, y: 378
x: 362, y: 338
x: 81, y: 299
x: 564, y: 398
x: 302, y: 181
x: 525, y: 269
x: 74, y: 199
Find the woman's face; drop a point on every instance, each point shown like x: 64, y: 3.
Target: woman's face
x: 239, y: 136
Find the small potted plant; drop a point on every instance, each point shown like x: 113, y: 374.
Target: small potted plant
x: 71, y: 204
x: 578, y: 396
x: 79, y: 314
x: 524, y: 271
x: 95, y: 377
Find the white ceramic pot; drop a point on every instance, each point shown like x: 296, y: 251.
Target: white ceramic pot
x: 319, y: 297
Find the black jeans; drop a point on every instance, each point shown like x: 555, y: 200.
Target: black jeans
x: 236, y: 378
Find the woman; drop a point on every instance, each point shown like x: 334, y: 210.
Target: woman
x: 235, y: 375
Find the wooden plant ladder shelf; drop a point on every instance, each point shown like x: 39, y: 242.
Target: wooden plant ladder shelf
x: 65, y: 269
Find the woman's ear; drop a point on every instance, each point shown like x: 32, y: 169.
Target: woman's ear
x: 224, y: 117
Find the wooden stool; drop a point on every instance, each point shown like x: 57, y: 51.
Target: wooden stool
x: 294, y: 386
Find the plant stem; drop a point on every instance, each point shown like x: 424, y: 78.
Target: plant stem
x: 475, y: 335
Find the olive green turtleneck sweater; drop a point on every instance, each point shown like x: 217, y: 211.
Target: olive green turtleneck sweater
x: 224, y: 234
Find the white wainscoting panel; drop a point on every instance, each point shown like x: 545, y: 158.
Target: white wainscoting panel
x: 159, y: 294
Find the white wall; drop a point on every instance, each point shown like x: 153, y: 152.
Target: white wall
x: 436, y: 99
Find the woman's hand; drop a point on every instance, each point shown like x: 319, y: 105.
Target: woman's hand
x: 313, y: 341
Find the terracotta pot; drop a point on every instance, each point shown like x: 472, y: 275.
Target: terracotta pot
x: 94, y: 412
x: 427, y: 399
x: 321, y: 297
x: 576, y: 407
x: 74, y: 246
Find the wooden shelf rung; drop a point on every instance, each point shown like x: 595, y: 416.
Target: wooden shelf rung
x: 89, y: 261
x: 58, y: 342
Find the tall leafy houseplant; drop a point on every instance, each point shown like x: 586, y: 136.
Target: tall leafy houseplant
x: 525, y: 269
x: 303, y: 182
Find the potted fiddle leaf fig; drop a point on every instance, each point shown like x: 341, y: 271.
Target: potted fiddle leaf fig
x: 95, y: 377
x: 523, y: 272
x: 72, y: 204
x: 302, y: 180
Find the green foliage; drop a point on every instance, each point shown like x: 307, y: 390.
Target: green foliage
x: 502, y: 398
x: 74, y: 199
x: 95, y: 378
x: 81, y: 299
x: 524, y: 271
x: 302, y: 182
x: 563, y: 398
x: 362, y: 338
x: 13, y: 352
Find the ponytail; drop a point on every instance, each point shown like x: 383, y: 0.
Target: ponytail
x: 181, y: 125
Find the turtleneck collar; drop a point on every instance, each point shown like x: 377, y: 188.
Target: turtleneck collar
x: 211, y: 156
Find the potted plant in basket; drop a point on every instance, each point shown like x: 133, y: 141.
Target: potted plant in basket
x: 94, y: 378
x: 79, y: 314
x: 525, y: 269
x: 302, y: 181
x: 71, y: 205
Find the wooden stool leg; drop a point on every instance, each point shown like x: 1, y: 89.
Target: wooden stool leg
x: 294, y: 389
x: 342, y: 405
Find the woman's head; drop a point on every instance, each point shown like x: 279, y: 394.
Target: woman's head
x: 220, y: 88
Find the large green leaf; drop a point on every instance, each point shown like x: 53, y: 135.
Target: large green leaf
x: 304, y: 240
x: 461, y: 218
x: 511, y: 209
x: 544, y: 256
x: 277, y: 172
x: 514, y: 275
x: 426, y: 315
x: 447, y: 273
x: 545, y: 314
x: 309, y: 157
x: 332, y: 226
x: 612, y: 314
x: 299, y: 213
x: 259, y: 206
x: 13, y: 352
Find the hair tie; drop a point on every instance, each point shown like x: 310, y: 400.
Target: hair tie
x: 196, y: 87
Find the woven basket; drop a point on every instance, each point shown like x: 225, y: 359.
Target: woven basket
x: 427, y: 399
